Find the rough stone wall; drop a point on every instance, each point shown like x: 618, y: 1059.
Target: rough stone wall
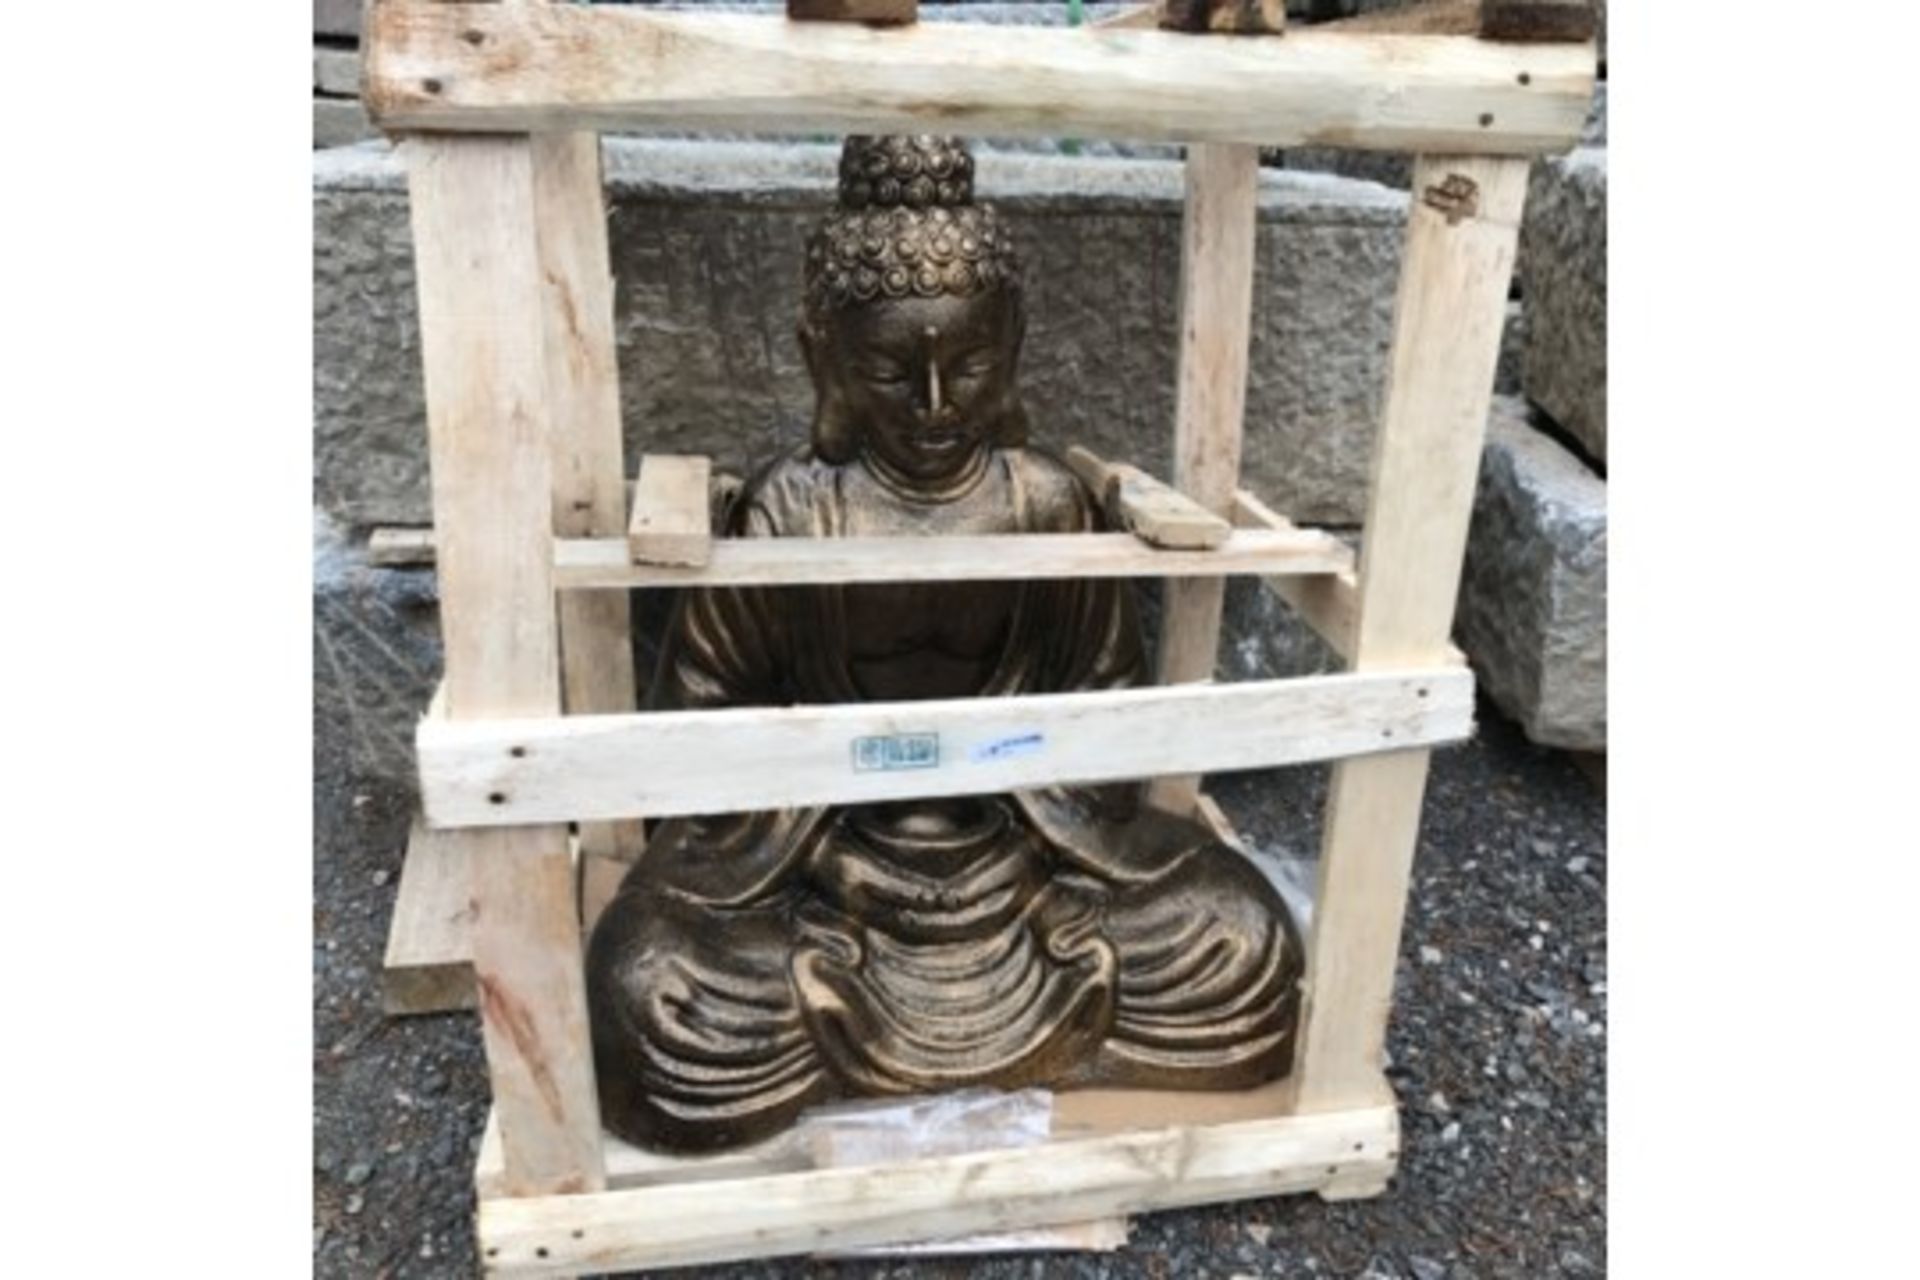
x: 706, y: 243
x: 1564, y: 272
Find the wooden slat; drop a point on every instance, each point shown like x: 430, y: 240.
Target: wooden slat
x: 671, y: 521
x: 1063, y: 1181
x: 1216, y: 317
x: 494, y: 67
x: 490, y: 773
x: 589, y: 467
x: 429, y: 960
x: 1460, y: 243
x: 484, y: 354
x: 1329, y: 603
x: 739, y: 562
x: 1156, y: 513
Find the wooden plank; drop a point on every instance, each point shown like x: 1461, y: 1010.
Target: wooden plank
x: 1156, y: 513
x: 1329, y: 603
x: 1460, y: 242
x: 760, y: 562
x: 399, y: 547
x: 525, y: 770
x: 671, y: 521
x: 1217, y: 232
x: 589, y: 467
x: 1063, y: 1181
x: 557, y: 67
x: 429, y: 959
x: 482, y: 336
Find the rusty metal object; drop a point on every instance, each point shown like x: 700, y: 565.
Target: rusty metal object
x: 1231, y: 17
x: 753, y: 965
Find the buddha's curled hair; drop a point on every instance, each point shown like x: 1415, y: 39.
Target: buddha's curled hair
x: 906, y: 226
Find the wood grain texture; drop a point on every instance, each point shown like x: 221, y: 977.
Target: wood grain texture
x: 483, y: 343
x: 1156, y: 513
x: 655, y: 764
x: 1217, y: 231
x: 495, y: 67
x: 721, y: 1220
x: 605, y: 563
x: 1460, y: 243
x: 671, y: 522
x: 429, y: 959
x: 589, y: 465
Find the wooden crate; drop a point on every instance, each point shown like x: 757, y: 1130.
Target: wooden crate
x: 535, y: 725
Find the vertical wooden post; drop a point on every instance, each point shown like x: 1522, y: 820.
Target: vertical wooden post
x: 1461, y: 234
x: 483, y: 345
x: 589, y: 467
x: 1216, y: 321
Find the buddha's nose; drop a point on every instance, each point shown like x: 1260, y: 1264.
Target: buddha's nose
x: 933, y: 388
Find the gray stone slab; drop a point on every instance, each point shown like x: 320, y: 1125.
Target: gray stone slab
x: 339, y: 122
x: 336, y: 72
x: 707, y: 244
x: 337, y: 18
x: 1564, y: 275
x: 1533, y: 598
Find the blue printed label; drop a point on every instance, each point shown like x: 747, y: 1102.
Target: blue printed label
x: 1016, y: 744
x: 896, y: 751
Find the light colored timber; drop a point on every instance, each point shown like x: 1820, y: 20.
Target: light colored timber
x: 483, y: 346
x: 671, y: 522
x: 466, y: 67
x: 396, y: 547
x: 497, y: 772
x: 429, y: 960
x: 1061, y: 1181
x: 1156, y: 513
x: 1216, y: 316
x: 1458, y: 262
x: 589, y: 466
x: 762, y: 562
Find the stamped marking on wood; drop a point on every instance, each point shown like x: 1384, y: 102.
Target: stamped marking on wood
x: 1008, y: 747
x: 1457, y: 197
x: 891, y: 751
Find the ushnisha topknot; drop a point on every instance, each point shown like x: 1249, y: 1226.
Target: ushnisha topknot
x: 906, y: 226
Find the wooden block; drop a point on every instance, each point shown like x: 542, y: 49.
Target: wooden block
x: 336, y: 71
x: 874, y: 13
x: 429, y: 960
x: 658, y: 764
x: 400, y: 548
x: 1537, y: 21
x: 1156, y: 513
x: 1460, y: 241
x: 540, y: 68
x: 1230, y: 17
x: 1021, y: 557
x: 671, y: 517
x: 483, y: 348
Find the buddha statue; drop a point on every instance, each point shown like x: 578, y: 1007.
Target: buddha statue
x: 752, y: 965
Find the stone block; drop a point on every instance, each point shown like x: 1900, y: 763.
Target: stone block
x: 707, y: 242
x: 1533, y: 597
x: 336, y: 72
x: 1564, y: 276
x: 339, y: 122
x: 337, y: 18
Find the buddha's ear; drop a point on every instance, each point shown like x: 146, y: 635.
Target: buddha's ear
x: 834, y: 438
x: 1010, y: 415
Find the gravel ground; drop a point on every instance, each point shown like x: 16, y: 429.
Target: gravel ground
x: 1497, y: 1042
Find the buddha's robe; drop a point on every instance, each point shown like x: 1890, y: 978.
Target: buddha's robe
x: 755, y: 964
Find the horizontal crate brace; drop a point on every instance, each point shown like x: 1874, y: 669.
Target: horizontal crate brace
x: 763, y: 562
x: 526, y: 68
x: 505, y: 772
x: 723, y: 1219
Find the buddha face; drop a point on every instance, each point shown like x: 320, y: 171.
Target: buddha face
x: 922, y: 382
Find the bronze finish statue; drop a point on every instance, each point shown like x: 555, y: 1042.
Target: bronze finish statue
x: 756, y: 964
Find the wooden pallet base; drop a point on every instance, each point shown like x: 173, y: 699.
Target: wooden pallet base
x: 1202, y: 1148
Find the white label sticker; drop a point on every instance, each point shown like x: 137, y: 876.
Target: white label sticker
x: 1030, y: 743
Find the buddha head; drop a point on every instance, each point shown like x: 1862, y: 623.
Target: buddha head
x: 912, y: 323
